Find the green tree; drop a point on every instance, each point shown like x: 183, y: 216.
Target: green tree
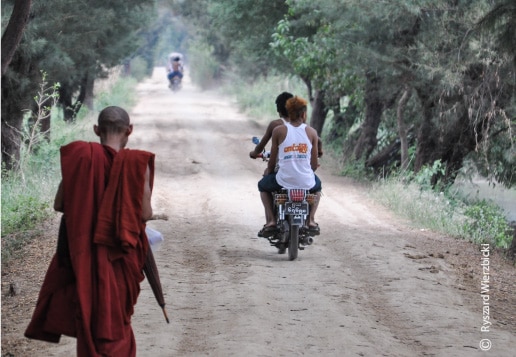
x: 388, y: 49
x: 74, y: 43
x: 238, y: 31
x: 13, y: 32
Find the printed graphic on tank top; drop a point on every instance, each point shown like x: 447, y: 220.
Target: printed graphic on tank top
x: 294, y: 159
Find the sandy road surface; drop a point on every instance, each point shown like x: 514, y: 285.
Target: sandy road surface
x: 368, y: 286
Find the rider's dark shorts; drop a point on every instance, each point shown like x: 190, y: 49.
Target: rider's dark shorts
x: 269, y: 184
x: 175, y: 73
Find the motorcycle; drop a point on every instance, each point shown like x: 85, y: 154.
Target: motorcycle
x: 291, y: 207
x: 174, y: 83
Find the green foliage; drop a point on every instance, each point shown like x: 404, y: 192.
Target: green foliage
x: 356, y: 169
x: 486, y: 223
x: 139, y: 68
x: 447, y: 211
x: 204, y: 68
x: 425, y: 45
x: 75, y: 43
x: 172, y: 36
x: 27, y: 195
x: 424, y: 208
x: 257, y: 98
x: 426, y: 176
x: 121, y: 93
x: 250, y: 53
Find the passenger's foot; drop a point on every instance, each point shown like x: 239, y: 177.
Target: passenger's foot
x: 314, y: 230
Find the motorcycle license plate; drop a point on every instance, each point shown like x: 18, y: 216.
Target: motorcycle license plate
x: 296, y: 208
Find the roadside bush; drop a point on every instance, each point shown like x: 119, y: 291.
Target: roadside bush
x: 356, y: 169
x: 139, y: 68
x: 120, y: 93
x: 424, y: 208
x: 203, y: 68
x: 486, y: 223
x: 257, y: 98
x: 444, y: 211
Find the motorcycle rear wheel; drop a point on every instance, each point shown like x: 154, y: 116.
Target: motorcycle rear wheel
x: 293, y: 243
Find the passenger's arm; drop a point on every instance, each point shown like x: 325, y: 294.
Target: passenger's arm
x: 314, y: 154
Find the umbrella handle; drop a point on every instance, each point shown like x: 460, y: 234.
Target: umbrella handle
x: 165, y: 313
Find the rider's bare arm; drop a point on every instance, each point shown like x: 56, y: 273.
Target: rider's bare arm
x: 265, y: 139
x: 271, y: 164
x: 278, y: 135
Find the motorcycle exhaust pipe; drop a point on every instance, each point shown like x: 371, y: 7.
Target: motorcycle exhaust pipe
x: 309, y: 240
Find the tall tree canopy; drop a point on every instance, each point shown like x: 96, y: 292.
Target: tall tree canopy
x: 406, y: 82
x: 414, y: 74
x: 73, y: 43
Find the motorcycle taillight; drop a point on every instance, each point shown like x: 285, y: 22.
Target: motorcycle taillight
x: 296, y: 195
x: 280, y: 198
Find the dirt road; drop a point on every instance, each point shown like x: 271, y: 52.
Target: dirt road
x: 369, y: 286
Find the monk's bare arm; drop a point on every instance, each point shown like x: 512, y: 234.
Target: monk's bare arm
x: 58, y: 201
x: 146, y: 203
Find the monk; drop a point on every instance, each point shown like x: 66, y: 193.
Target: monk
x: 93, y: 282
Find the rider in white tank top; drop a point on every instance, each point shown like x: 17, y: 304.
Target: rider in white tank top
x: 294, y: 159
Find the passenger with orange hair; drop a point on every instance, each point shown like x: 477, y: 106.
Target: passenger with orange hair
x: 295, y: 148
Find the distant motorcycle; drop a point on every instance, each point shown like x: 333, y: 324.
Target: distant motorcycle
x: 174, y: 83
x: 291, y: 207
x: 175, y: 70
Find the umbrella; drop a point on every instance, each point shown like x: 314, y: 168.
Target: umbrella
x: 151, y: 272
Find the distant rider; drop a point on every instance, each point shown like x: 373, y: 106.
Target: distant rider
x: 175, y: 69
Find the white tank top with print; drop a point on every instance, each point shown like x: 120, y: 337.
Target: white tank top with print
x: 294, y: 159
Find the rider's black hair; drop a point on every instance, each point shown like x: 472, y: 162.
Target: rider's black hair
x: 281, y: 101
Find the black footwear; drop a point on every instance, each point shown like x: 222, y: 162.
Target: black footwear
x: 314, y: 230
x: 267, y: 232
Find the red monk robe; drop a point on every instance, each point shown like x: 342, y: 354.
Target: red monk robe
x: 92, y: 297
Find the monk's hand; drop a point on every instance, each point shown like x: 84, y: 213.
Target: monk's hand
x: 161, y: 216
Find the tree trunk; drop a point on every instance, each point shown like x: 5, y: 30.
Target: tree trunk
x: 319, y: 112
x: 89, y: 85
x: 458, y: 141
x: 309, y: 90
x: 343, y: 120
x: 402, y: 129
x: 65, y: 101
x: 14, y: 101
x: 14, y: 31
x: 12, y: 120
x: 426, y: 136
x: 374, y: 107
